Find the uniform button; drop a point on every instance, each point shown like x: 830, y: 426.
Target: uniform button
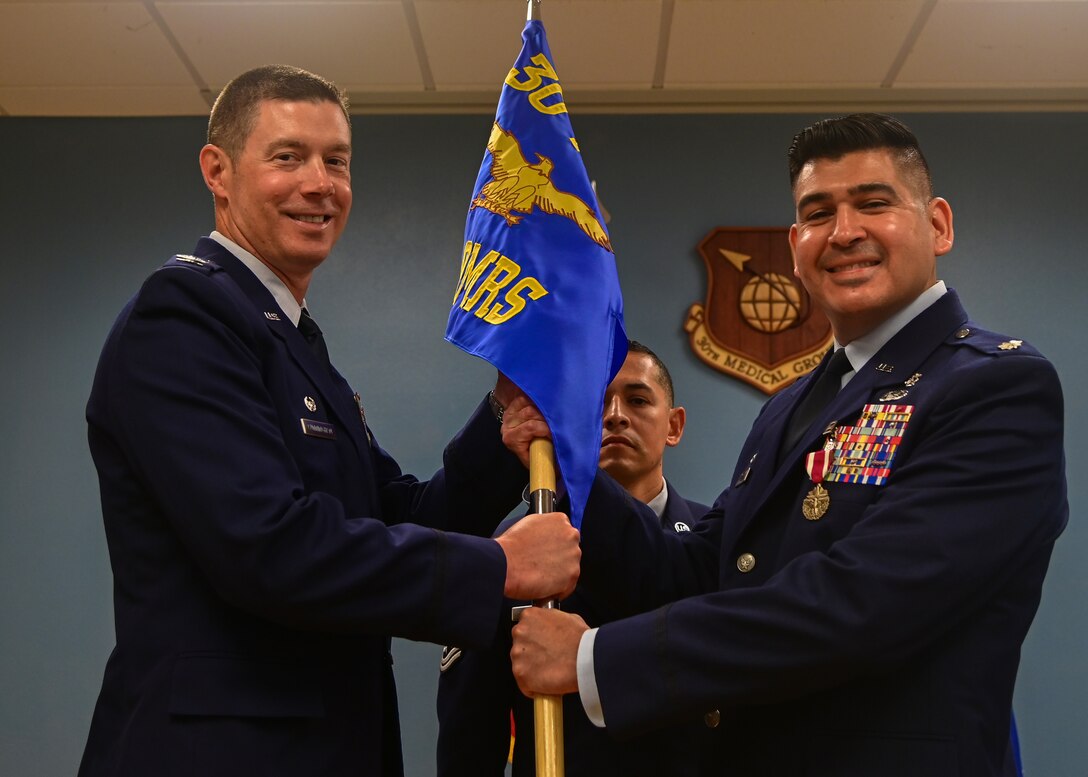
x: 963, y: 333
x: 712, y: 719
x: 746, y: 562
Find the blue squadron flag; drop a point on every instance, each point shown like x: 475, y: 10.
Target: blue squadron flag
x: 538, y: 295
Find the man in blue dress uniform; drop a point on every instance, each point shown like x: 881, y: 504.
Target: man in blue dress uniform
x: 264, y: 546
x: 855, y: 602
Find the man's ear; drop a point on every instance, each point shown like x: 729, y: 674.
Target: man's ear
x: 940, y: 217
x: 216, y: 168
x: 677, y: 418
x: 793, y: 252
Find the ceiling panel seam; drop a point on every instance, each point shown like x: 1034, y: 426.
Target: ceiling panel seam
x: 911, y: 38
x: 663, y: 33
x: 179, y: 52
x: 416, y: 34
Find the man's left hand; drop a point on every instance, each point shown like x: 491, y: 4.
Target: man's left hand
x: 521, y: 421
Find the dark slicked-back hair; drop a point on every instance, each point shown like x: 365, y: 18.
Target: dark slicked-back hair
x: 663, y: 376
x: 235, y: 111
x: 837, y: 137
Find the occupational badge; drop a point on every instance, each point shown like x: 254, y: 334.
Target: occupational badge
x: 894, y: 394
x: 757, y: 324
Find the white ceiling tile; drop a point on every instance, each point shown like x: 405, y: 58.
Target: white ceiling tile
x: 610, y: 43
x: 357, y: 45
x: 1001, y: 43
x: 472, y: 44
x: 84, y: 44
x: 786, y: 42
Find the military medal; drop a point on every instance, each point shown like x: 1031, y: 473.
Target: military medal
x: 817, y: 500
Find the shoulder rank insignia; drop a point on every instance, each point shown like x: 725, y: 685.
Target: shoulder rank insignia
x: 1010, y: 345
x: 188, y: 259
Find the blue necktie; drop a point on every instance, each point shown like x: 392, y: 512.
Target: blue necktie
x: 825, y: 388
x: 309, y: 329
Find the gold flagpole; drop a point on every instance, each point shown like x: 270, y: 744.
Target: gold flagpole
x: 547, y: 710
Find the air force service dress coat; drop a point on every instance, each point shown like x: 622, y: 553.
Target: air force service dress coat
x: 263, y: 545
x: 477, y: 692
x: 882, y: 638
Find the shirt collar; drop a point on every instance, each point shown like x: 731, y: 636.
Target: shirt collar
x: 864, y: 348
x: 657, y: 504
x: 277, y: 288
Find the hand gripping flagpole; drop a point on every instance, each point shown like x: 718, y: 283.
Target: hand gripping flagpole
x: 547, y: 710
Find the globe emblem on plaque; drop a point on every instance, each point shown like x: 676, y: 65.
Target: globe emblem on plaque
x: 758, y: 324
x: 770, y: 302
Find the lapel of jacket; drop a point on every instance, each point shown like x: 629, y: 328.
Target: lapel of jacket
x: 334, y: 390
x: 676, y: 510
x: 892, y: 365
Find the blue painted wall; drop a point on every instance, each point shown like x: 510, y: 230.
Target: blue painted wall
x: 89, y: 207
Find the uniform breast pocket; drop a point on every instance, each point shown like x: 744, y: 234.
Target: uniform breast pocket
x: 831, y: 515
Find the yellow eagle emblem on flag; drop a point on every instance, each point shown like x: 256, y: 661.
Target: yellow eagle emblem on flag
x: 517, y: 187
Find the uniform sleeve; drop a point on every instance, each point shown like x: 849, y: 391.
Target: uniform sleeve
x: 629, y: 565
x: 479, y: 483
x: 187, y: 416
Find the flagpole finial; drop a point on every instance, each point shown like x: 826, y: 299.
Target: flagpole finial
x: 534, y: 11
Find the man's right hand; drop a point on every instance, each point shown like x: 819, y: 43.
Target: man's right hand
x: 542, y: 557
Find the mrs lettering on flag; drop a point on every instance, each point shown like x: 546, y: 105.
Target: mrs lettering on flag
x: 758, y: 324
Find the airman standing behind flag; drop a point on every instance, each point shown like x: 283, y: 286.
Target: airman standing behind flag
x: 476, y: 690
